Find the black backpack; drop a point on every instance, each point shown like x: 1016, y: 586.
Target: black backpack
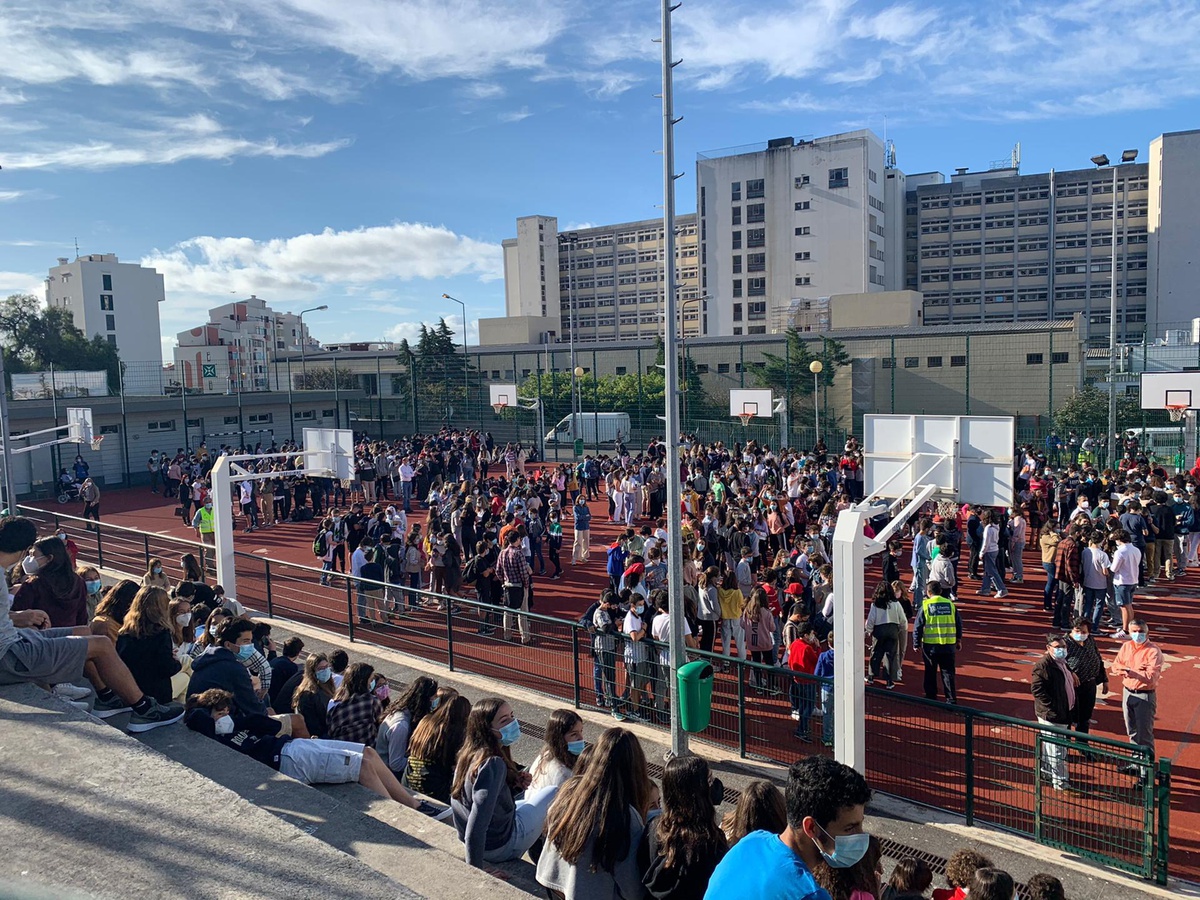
x: 320, y: 545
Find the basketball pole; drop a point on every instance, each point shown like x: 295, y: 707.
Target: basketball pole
x: 679, y: 738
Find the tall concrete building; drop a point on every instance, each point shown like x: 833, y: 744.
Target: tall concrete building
x: 786, y: 224
x: 235, y: 348
x: 609, y: 280
x: 116, y: 300
x: 1173, y: 224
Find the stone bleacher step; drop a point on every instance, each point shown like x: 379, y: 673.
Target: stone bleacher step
x: 391, y: 839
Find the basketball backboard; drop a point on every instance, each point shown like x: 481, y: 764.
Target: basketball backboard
x: 1160, y: 390
x: 902, y: 451
x: 753, y: 402
x: 502, y: 395
x: 79, y: 424
x: 322, y: 440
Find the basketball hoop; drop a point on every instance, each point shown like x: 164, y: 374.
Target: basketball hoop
x: 1177, y: 410
x: 745, y: 417
x: 498, y: 408
x: 97, y: 441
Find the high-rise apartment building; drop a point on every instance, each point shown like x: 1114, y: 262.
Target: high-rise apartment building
x: 609, y: 278
x: 796, y: 221
x: 237, y: 346
x: 116, y: 300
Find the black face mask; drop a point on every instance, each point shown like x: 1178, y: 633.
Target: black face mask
x: 716, y: 791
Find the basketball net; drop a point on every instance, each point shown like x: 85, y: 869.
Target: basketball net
x: 745, y: 417
x: 1177, y: 411
x: 97, y: 441
x: 498, y: 408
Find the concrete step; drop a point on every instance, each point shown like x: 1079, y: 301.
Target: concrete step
x: 89, y: 811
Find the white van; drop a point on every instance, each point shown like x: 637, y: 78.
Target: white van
x: 594, y: 428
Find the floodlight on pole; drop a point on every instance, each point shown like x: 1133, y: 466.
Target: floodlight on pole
x: 304, y: 339
x: 466, y: 361
x: 816, y: 366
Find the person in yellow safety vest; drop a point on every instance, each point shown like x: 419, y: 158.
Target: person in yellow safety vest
x: 937, y: 634
x: 205, y: 522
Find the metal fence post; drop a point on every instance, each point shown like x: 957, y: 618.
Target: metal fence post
x: 99, y: 547
x: 350, y: 608
x: 270, y: 601
x: 450, y: 633
x: 969, y: 768
x: 575, y: 661
x: 741, y: 708
x: 1163, y: 798
x: 146, y: 547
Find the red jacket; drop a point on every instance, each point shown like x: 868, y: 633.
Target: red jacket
x: 802, y: 657
x: 68, y: 611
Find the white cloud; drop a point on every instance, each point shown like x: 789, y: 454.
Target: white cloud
x: 483, y: 90
x: 173, y: 140
x: 277, y: 83
x: 9, y: 196
x: 22, y: 283
x: 516, y: 115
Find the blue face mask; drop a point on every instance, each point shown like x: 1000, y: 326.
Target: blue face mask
x: 245, y: 652
x: 94, y: 587
x: 1060, y: 652
x: 848, y: 849
x: 576, y: 747
x: 323, y: 675
x: 434, y: 703
x: 510, y: 733
x: 371, y: 685
x: 1139, y: 637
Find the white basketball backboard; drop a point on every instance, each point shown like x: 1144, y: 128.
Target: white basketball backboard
x: 341, y: 440
x: 79, y: 423
x: 1160, y: 390
x: 979, y: 456
x: 755, y: 402
x: 502, y: 394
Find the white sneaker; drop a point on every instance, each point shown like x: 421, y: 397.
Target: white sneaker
x: 1120, y: 635
x: 69, y: 691
x: 1000, y: 595
x: 796, y: 715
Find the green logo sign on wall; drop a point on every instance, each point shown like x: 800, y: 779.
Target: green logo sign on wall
x: 208, y: 371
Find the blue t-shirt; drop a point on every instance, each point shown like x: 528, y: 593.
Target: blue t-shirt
x: 762, y: 867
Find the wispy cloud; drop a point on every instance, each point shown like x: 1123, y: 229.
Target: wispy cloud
x: 9, y: 196
x: 170, y: 141
x: 482, y: 90
x: 515, y: 115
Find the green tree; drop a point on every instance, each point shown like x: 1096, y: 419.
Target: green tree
x: 320, y: 378
x: 37, y: 337
x: 788, y: 375
x: 1087, y: 411
x: 442, y: 371
x: 402, y: 383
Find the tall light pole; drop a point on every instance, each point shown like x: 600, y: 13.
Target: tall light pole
x: 1101, y: 160
x: 304, y: 340
x: 466, y: 359
x: 679, y: 738
x: 815, y: 367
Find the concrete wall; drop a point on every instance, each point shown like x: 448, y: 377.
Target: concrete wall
x: 874, y: 310
x: 515, y: 329
x: 1174, y: 225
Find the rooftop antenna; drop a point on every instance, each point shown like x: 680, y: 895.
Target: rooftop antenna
x: 77, y: 248
x: 889, y: 148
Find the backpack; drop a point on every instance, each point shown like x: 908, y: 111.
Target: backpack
x: 534, y: 528
x: 470, y: 572
x: 321, y: 544
x: 588, y: 620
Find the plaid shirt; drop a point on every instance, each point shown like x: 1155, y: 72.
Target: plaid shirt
x: 356, y: 720
x: 1066, y: 562
x: 512, y: 566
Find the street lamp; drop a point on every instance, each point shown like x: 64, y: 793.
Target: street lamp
x: 1101, y: 160
x: 570, y: 241
x: 466, y: 359
x: 304, y: 340
x: 815, y: 367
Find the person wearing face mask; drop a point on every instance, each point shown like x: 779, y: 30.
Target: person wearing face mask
x: 154, y: 575
x: 638, y: 663
x: 283, y: 667
x: 1083, y: 658
x: 493, y: 825
x: 310, y: 692
x: 95, y: 587
x: 1054, y: 685
x: 356, y: 710
x: 826, y: 802
x: 564, y: 742
x: 213, y: 713
x: 204, y: 521
x: 52, y: 585
x: 146, y: 646
x: 72, y: 547
x: 400, y: 718
x: 222, y: 665
x: 1139, y: 666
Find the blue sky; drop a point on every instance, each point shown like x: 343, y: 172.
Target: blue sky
x: 372, y: 154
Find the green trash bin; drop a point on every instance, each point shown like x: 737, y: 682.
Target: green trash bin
x: 695, y: 684
x: 578, y: 447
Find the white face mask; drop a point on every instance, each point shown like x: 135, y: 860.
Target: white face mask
x: 224, y: 725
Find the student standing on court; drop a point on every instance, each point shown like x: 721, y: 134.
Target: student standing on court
x: 1139, y: 665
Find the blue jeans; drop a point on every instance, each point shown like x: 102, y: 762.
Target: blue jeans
x: 414, y: 583
x: 1051, y: 584
x: 808, y: 696
x: 326, y: 566
x: 604, y: 674
x: 991, y: 572
x: 406, y: 490
x: 827, y: 720
x: 528, y: 821
x: 1093, y: 604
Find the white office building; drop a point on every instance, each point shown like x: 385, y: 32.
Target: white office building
x: 115, y: 300
x: 796, y: 220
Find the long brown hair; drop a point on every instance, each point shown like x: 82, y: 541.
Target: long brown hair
x: 687, y: 829
x: 58, y: 574
x: 178, y: 635
x: 441, y: 733
x: 481, y: 744
x: 308, y: 681
x: 147, y: 613
x: 355, y: 680
x: 595, y: 804
x: 560, y: 722
x: 760, y: 807
x: 116, y: 600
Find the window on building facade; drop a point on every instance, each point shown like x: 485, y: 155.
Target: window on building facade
x: 912, y: 362
x: 756, y: 310
x: 1059, y: 357
x: 756, y: 212
x: 933, y: 362
x: 756, y: 262
x: 1033, y: 359
x: 110, y: 322
x: 735, y: 191
x: 756, y: 237
x: 737, y: 287
x: 737, y: 240
x: 803, y: 255
x: 737, y: 312
x: 801, y: 181
x: 737, y: 264
x: 736, y: 215
x: 803, y: 280
x: 722, y: 368
x: 839, y: 178
x: 106, y: 282
x: 958, y: 362
x: 803, y: 231
x: 756, y: 287
x: 755, y: 188
x: 803, y: 204
x: 106, y: 302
